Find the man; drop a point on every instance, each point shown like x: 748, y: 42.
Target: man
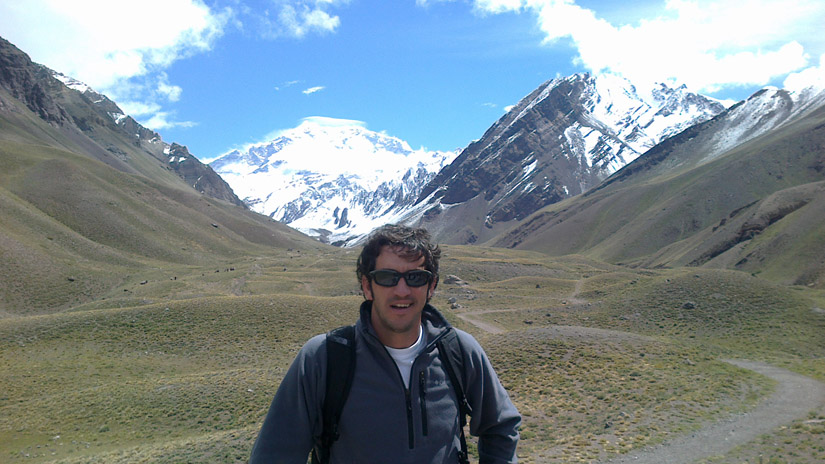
x: 402, y: 407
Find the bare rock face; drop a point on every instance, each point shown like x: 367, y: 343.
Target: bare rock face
x: 560, y: 141
x: 97, y: 124
x: 200, y: 176
x: 29, y: 83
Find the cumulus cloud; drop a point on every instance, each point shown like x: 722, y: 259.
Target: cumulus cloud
x: 810, y: 77
x: 101, y: 42
x: 118, y: 49
x: 708, y: 45
x: 297, y: 18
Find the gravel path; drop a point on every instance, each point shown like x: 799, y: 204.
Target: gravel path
x: 795, y: 396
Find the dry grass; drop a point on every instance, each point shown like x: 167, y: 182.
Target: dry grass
x: 181, y: 368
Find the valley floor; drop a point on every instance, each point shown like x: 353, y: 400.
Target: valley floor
x: 794, y: 399
x: 606, y: 363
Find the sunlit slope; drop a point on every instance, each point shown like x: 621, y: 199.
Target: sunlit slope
x: 757, y: 207
x: 72, y: 227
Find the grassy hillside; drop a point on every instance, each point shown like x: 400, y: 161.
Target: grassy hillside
x: 756, y: 208
x: 73, y: 229
x: 182, y: 367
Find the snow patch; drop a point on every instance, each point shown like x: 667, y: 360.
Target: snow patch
x: 307, y: 176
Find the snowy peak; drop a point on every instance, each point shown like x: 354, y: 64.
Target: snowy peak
x: 561, y: 140
x: 330, y: 178
x: 762, y: 112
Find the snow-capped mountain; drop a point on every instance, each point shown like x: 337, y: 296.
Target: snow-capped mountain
x: 331, y: 178
x: 561, y: 140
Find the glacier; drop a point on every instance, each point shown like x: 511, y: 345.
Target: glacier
x: 330, y: 178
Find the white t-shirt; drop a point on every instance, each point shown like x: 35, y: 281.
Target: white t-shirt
x: 404, y: 357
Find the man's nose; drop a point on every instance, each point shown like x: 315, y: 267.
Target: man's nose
x: 402, y: 288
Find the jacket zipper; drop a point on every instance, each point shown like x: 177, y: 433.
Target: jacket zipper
x: 408, y: 399
x: 410, y: 428
x: 408, y: 395
x: 423, y: 394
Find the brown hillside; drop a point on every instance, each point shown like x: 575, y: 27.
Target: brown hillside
x: 756, y: 207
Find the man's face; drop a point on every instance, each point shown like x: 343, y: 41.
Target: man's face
x: 396, y: 311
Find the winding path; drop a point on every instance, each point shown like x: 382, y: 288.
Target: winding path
x: 795, y: 396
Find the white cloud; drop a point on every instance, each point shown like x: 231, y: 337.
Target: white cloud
x: 811, y: 77
x: 426, y: 3
x: 117, y: 48
x: 325, y: 121
x: 160, y: 120
x: 498, y: 6
x: 138, y: 109
x: 102, y: 42
x: 297, y: 18
x: 707, y: 45
x: 312, y: 90
x: 152, y: 116
x: 171, y: 92
x: 286, y: 85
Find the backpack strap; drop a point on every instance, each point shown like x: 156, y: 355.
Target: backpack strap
x: 340, y: 344
x: 452, y: 356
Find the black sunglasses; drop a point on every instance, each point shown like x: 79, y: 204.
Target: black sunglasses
x: 390, y: 277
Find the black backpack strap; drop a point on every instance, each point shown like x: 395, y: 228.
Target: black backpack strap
x: 452, y: 356
x: 340, y: 345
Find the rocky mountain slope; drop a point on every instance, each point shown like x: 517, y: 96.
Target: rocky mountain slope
x: 338, y: 181
x: 561, y: 140
x: 745, y: 190
x: 88, y: 197
x: 92, y: 123
x: 333, y: 179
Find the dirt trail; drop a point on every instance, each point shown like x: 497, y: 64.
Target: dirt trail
x: 485, y: 326
x: 795, y: 396
x: 470, y: 316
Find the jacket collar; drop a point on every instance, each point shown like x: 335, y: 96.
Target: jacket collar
x: 434, y: 323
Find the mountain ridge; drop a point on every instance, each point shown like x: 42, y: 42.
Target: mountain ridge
x: 740, y: 191
x: 88, y: 200
x: 333, y: 179
x: 94, y: 124
x: 559, y: 141
x: 605, y: 124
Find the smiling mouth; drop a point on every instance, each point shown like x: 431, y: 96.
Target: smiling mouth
x: 401, y: 306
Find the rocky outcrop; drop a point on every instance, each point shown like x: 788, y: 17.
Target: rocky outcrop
x: 560, y: 141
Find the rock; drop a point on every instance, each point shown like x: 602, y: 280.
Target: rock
x: 453, y: 280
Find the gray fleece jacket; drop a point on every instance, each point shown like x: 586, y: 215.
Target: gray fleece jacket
x: 383, y: 421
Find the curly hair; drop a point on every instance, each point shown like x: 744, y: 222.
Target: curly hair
x: 406, y: 241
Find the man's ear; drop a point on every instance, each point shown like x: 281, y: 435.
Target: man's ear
x: 366, y: 287
x: 433, y: 285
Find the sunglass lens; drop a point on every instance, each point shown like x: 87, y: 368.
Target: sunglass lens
x: 390, y: 278
x: 386, y: 278
x: 417, y: 278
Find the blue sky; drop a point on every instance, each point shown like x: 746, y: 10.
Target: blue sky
x: 215, y: 75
